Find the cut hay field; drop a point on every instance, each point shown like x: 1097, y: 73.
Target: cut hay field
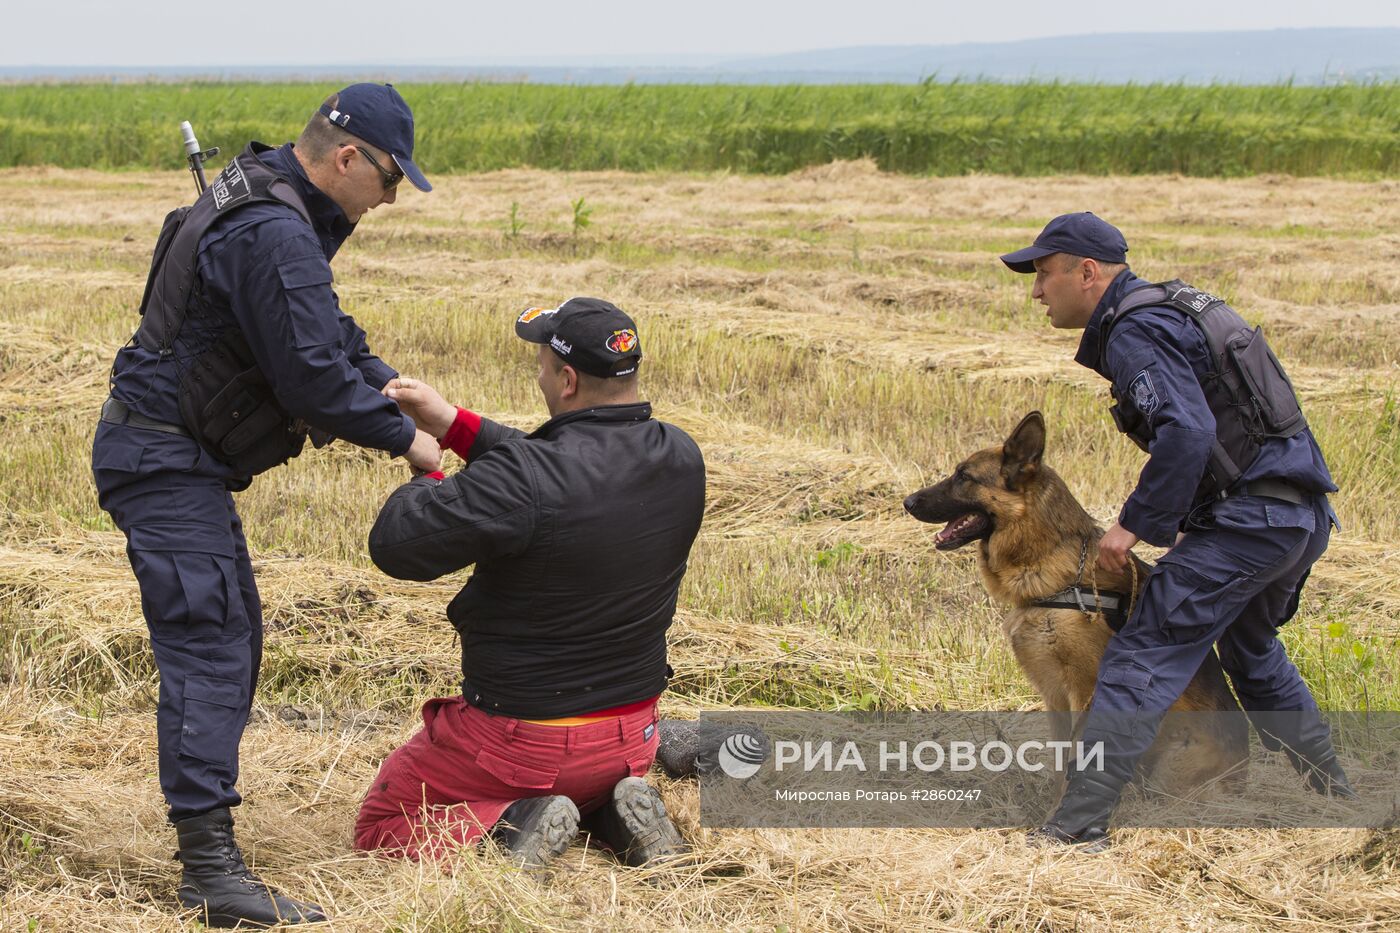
x: 834, y: 339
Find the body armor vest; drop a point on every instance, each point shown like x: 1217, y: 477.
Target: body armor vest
x: 226, y: 402
x: 1247, y: 390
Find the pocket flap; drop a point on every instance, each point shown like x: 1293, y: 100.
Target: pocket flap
x: 1127, y: 675
x: 1288, y: 515
x: 639, y: 765
x: 189, y: 537
x: 1201, y: 568
x: 304, y: 272
x: 217, y: 692
x: 532, y: 777
x: 116, y: 457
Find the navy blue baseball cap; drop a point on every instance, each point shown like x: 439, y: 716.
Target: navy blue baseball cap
x: 592, y: 335
x: 378, y: 115
x: 1080, y: 234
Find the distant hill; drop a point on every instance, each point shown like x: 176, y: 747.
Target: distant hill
x: 1307, y: 56
x: 1303, y: 56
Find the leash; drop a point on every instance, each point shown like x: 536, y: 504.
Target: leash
x: 1093, y: 581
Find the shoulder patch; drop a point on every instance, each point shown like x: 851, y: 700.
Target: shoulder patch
x: 230, y: 186
x: 1144, y: 393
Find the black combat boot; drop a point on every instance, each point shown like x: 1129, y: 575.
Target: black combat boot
x: 634, y: 824
x: 1323, y: 771
x: 218, y: 883
x: 536, y: 830
x: 1081, y: 819
x: 1306, y: 740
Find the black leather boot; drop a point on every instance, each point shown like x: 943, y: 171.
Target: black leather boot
x: 1081, y: 819
x: 1323, y: 771
x: 218, y: 883
x: 1306, y: 740
x: 536, y: 830
x: 635, y: 825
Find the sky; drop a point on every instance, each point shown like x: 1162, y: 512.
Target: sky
x: 165, y: 33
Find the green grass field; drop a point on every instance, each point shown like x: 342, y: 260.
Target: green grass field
x: 927, y: 129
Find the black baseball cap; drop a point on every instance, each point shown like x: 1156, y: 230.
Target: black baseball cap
x: 591, y: 335
x: 378, y: 115
x: 1080, y: 234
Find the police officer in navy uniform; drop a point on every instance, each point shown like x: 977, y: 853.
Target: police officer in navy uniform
x: 241, y: 354
x: 1234, y: 484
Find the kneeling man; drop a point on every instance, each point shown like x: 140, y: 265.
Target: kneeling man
x: 580, y: 532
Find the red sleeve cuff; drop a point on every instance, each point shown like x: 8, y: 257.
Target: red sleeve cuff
x: 460, y: 437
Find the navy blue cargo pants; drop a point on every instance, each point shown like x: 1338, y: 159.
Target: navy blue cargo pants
x: 1231, y: 582
x: 186, y: 547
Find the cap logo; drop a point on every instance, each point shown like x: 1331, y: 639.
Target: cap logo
x: 622, y: 341
x: 560, y: 345
x: 531, y: 313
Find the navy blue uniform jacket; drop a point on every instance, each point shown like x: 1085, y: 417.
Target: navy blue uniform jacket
x: 262, y: 269
x: 1157, y: 359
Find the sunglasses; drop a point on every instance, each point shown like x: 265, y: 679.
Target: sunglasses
x: 390, y: 179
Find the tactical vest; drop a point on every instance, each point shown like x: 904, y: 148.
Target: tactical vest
x: 1247, y: 390
x: 226, y: 402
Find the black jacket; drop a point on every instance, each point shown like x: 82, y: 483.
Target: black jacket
x: 580, y: 534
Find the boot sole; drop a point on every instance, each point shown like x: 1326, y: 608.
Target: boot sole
x: 549, y: 837
x: 217, y: 921
x: 1039, y: 839
x: 653, y: 836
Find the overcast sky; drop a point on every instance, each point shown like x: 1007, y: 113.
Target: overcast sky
x: 156, y: 33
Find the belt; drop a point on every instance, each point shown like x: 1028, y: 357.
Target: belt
x: 115, y: 412
x: 1270, y: 488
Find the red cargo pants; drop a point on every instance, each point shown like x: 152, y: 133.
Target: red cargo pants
x: 452, y: 781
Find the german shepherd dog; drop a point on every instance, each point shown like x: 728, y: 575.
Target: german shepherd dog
x: 1034, y: 541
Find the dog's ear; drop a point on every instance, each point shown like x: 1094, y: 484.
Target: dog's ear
x: 1020, y: 455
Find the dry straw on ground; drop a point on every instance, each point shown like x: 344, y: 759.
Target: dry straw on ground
x: 834, y: 339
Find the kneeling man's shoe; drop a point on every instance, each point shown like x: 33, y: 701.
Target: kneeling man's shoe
x: 537, y: 830
x: 218, y: 883
x: 1090, y: 842
x: 635, y: 825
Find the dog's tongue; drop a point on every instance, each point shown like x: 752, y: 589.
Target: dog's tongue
x: 951, y: 530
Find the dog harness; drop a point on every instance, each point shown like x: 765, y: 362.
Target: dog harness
x: 1115, y: 607
x: 1111, y: 605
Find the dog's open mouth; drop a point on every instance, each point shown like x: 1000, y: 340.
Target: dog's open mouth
x: 962, y: 530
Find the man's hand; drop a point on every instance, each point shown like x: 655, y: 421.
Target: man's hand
x: 423, y: 404
x: 424, y: 455
x: 1114, y: 547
